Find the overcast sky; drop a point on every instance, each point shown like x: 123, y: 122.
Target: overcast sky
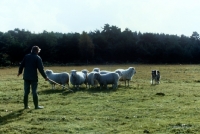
x: 175, y: 17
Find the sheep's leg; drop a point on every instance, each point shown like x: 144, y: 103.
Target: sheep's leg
x: 106, y: 86
x: 96, y: 83
x: 101, y: 85
x: 115, y: 85
x: 86, y: 85
x: 119, y: 82
x: 68, y: 85
x: 53, y: 86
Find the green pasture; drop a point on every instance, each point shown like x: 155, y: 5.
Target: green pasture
x: 173, y: 106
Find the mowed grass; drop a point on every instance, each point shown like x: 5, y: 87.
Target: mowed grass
x: 173, y: 106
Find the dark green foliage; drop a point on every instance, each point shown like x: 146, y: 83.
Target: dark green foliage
x: 100, y: 46
x: 86, y: 47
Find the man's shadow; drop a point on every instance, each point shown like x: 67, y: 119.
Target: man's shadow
x: 13, y: 116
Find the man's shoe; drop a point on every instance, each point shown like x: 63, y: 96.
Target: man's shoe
x: 27, y: 107
x: 39, y: 107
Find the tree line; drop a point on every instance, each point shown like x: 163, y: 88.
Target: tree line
x: 108, y: 45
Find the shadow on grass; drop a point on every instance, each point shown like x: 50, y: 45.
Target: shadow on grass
x: 89, y: 90
x: 103, y: 90
x: 13, y: 116
x: 52, y: 91
x: 98, y: 89
x: 81, y: 89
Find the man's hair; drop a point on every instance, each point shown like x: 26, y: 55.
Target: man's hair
x: 35, y: 49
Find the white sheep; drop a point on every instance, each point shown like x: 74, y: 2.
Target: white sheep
x: 60, y: 78
x: 108, y: 78
x: 126, y: 74
x: 105, y: 72
x: 90, y: 79
x: 77, y: 78
x: 101, y: 71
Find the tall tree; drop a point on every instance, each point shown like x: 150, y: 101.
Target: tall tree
x: 195, y: 35
x: 68, y: 46
x: 86, y: 47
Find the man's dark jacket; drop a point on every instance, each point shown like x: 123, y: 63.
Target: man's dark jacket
x: 30, y: 64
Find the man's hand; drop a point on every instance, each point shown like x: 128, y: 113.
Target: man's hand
x: 47, y: 79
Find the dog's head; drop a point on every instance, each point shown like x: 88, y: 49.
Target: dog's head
x: 155, y: 73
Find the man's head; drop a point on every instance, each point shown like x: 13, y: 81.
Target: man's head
x: 35, y: 49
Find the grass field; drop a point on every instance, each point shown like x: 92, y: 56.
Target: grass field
x: 173, y: 106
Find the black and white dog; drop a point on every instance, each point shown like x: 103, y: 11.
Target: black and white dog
x: 155, y: 77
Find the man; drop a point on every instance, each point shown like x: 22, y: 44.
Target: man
x: 30, y: 64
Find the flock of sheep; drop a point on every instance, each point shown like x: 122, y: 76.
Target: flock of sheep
x: 94, y: 78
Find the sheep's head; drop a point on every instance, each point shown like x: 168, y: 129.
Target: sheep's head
x: 96, y: 69
x: 132, y: 70
x: 155, y: 72
x: 73, y: 73
x: 48, y: 72
x: 118, y: 72
x: 85, y: 71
